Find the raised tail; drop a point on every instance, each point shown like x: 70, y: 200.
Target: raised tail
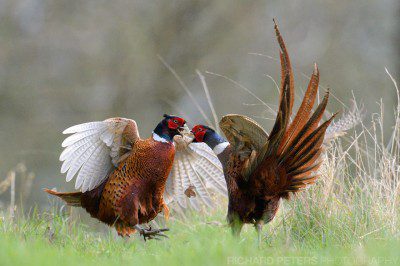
x: 298, y: 146
x: 296, y: 156
x: 71, y: 198
x: 300, y: 157
x: 289, y: 160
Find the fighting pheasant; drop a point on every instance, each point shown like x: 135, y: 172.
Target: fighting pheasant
x: 122, y: 178
x: 260, y: 169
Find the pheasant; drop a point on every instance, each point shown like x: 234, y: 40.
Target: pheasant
x: 122, y: 178
x: 262, y: 168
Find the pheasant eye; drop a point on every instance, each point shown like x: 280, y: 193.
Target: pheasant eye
x: 175, y: 121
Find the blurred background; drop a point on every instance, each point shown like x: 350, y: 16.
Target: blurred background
x: 67, y: 62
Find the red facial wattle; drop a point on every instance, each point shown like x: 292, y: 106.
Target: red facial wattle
x: 199, y: 131
x: 176, y: 122
x: 199, y: 136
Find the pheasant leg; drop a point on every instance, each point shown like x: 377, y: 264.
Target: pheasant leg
x: 150, y: 233
x: 259, y: 227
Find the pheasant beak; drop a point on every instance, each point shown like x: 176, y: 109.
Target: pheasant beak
x: 184, y: 131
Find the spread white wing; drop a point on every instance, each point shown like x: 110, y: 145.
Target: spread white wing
x: 196, y: 175
x: 95, y: 148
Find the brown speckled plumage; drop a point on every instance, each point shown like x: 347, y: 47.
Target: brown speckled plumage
x: 247, y: 201
x: 133, y: 192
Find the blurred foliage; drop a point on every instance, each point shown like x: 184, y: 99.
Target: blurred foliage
x: 66, y: 62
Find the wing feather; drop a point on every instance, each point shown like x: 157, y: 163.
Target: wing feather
x: 82, y: 159
x: 195, y: 167
x: 181, y: 184
x: 71, y: 157
x: 213, y: 179
x: 78, y: 136
x: 94, y: 148
x: 242, y: 131
x: 68, y: 151
x: 83, y: 127
x: 198, y: 184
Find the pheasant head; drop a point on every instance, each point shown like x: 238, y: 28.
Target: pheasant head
x: 208, y: 135
x: 170, y: 126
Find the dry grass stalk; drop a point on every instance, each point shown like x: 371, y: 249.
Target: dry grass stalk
x: 12, y: 193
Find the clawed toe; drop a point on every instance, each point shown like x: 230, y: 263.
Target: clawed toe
x: 153, y: 233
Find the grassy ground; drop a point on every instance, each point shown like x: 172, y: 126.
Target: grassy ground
x: 55, y: 240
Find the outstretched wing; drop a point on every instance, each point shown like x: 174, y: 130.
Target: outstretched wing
x: 243, y: 133
x: 95, y: 148
x: 195, y: 176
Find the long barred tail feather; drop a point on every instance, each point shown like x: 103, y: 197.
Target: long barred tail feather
x: 71, y: 198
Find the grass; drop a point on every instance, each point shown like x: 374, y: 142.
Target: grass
x: 350, y: 217
x: 52, y: 239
